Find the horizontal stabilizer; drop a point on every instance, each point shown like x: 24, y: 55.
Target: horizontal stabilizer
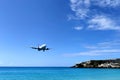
x: 34, y: 48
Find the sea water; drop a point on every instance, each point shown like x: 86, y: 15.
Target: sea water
x: 58, y: 73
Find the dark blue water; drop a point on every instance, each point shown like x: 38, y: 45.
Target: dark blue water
x: 58, y: 73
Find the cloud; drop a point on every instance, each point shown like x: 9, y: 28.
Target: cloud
x: 106, y: 51
x: 82, y: 54
x: 102, y: 23
x: 110, y: 43
x: 94, y: 13
x: 78, y: 28
x: 80, y: 7
x: 97, y: 15
x: 106, y: 3
x: 94, y: 53
x: 105, y: 45
x: 91, y: 47
x: 100, y: 49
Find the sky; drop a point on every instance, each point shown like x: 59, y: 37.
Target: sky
x: 75, y: 30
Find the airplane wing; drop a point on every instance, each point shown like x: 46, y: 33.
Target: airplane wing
x: 34, y: 48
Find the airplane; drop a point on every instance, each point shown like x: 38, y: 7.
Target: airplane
x: 41, y: 47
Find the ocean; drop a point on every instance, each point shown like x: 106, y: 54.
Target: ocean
x: 58, y: 73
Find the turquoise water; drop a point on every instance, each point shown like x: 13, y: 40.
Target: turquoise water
x: 57, y: 73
